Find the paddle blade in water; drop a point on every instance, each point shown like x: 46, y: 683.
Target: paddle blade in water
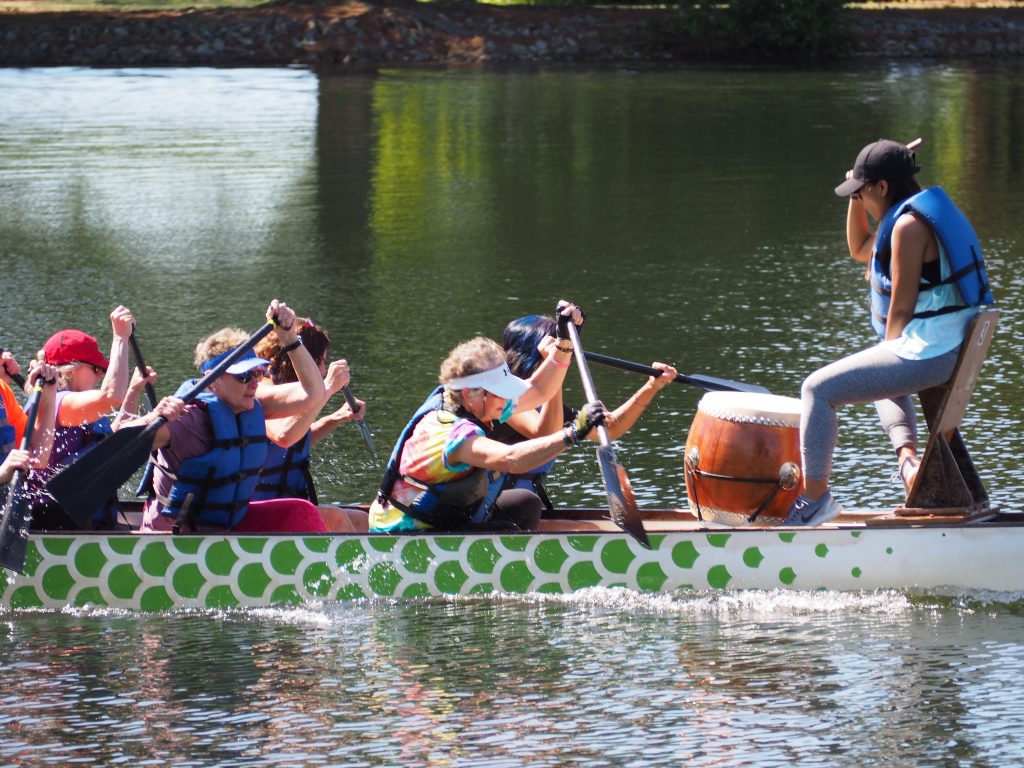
x: 621, y: 502
x: 14, y: 528
x: 95, y: 477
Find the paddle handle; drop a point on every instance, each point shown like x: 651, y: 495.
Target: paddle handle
x: 586, y: 378
x: 912, y: 145
x: 150, y: 392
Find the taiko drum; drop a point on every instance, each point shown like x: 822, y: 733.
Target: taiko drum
x: 742, y: 458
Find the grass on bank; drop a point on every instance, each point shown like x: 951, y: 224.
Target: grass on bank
x: 39, y: 6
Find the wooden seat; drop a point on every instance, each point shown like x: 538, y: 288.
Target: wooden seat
x: 947, y: 483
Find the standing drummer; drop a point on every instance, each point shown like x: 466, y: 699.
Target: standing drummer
x: 918, y: 310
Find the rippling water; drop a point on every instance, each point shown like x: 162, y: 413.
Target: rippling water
x: 599, y: 678
x: 691, y: 213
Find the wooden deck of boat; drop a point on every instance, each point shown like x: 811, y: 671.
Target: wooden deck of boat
x: 681, y: 520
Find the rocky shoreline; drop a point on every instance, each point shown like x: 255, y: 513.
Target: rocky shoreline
x: 403, y: 33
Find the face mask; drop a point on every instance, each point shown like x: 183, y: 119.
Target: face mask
x: 507, y: 411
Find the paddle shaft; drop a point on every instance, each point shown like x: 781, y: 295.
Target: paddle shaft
x: 17, y: 510
x: 363, y: 426
x: 709, y: 383
x: 150, y: 392
x: 586, y: 378
x: 621, y: 504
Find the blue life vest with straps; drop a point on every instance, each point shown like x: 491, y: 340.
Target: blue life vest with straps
x: 285, y: 473
x: 215, y: 488
x: 958, y: 242
x: 462, y: 502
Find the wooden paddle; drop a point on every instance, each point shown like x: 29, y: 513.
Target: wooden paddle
x: 709, y: 383
x: 81, y: 487
x: 137, y: 353
x: 363, y: 426
x: 17, y: 512
x: 621, y: 503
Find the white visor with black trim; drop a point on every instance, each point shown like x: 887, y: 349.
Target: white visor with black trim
x: 498, y: 381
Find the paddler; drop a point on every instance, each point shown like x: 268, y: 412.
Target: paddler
x: 927, y: 282
x: 447, y: 472
x: 530, y: 340
x: 210, y: 453
x: 290, y: 440
x: 90, y: 387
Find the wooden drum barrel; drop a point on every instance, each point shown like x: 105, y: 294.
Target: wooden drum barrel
x: 742, y: 458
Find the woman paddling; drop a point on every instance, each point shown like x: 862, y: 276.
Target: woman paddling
x: 290, y: 439
x: 211, y: 451
x: 530, y: 340
x: 927, y: 281
x: 90, y: 388
x: 447, y: 472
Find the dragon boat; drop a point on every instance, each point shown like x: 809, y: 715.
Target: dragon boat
x: 741, y: 467
x: 857, y: 551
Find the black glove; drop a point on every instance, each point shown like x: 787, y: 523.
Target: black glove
x: 563, y: 321
x: 590, y: 415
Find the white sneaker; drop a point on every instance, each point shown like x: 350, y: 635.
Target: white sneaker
x: 813, y: 511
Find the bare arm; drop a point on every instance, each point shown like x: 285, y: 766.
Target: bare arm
x: 912, y: 243
x: 170, y: 409
x: 308, y: 392
x: 480, y: 451
x: 625, y: 416
x: 42, y: 437
x: 84, y: 407
x: 858, y: 232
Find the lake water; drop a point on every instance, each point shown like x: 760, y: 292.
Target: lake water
x: 690, y: 212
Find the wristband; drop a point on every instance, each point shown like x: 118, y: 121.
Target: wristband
x: 558, y: 364
x: 567, y: 437
x: 293, y: 346
x: 566, y: 350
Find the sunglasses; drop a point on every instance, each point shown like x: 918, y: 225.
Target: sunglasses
x: 256, y: 373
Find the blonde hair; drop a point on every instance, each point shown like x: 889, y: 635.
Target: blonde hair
x: 218, y: 343
x: 469, y: 357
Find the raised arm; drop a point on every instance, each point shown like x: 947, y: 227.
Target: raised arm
x: 309, y: 391
x: 626, y: 415
x: 87, y: 406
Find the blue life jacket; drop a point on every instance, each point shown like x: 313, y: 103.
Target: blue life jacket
x: 285, y: 473
x: 959, y: 243
x: 215, y: 488
x: 435, y: 505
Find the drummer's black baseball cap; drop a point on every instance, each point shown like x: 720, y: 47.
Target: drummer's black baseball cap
x: 882, y: 159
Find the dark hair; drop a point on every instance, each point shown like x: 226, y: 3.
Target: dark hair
x: 901, y: 189
x: 314, y: 339
x: 521, y: 341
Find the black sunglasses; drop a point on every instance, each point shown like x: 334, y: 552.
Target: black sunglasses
x: 256, y: 373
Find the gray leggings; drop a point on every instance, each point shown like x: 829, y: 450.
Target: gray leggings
x: 873, y: 375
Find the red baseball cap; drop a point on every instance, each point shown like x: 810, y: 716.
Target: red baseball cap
x: 71, y: 346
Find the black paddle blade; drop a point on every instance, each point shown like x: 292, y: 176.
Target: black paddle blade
x: 14, y: 528
x: 621, y: 502
x: 83, y: 486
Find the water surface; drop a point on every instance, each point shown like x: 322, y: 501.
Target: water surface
x: 690, y: 211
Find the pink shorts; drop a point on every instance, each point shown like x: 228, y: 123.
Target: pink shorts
x: 270, y: 516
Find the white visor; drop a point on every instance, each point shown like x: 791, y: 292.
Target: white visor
x: 498, y: 381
